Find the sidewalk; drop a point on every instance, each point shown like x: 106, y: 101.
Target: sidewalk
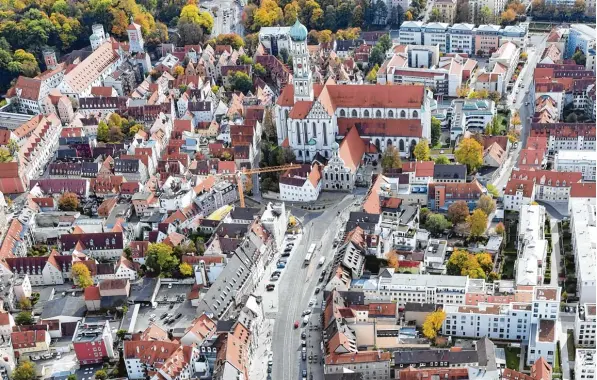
x: 563, y: 338
x: 258, y: 370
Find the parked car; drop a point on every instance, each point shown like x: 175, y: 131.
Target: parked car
x: 270, y: 287
x: 178, y: 315
x: 163, y: 315
x: 296, y: 324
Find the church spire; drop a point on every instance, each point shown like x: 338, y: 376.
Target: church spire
x: 302, y: 77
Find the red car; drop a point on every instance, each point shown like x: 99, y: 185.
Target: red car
x: 296, y: 324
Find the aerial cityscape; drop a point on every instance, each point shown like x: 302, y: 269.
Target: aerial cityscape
x: 298, y: 190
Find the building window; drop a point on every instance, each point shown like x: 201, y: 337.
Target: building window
x: 378, y: 113
x: 298, y: 132
x: 342, y: 113
x: 366, y: 113
x: 402, y: 114
x: 354, y: 113
x: 325, y: 135
x: 314, y: 129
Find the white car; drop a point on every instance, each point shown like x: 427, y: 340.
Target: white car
x: 312, y: 301
x: 306, y: 312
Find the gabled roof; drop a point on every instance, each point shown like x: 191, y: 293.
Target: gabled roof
x: 352, y: 149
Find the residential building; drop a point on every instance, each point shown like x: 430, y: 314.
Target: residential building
x: 25, y: 343
x: 581, y: 36
x: 164, y: 359
x: 372, y: 365
x: 583, y: 216
x: 340, y: 173
x: 473, y: 115
x: 93, y: 342
x: 487, y: 37
x: 411, y: 33
x: 579, y: 161
x: 424, y: 358
x: 532, y: 246
x: 202, y: 328
x: 301, y: 185
x: 449, y: 173
x: 517, y: 34
x: 550, y: 186
x: 584, y: 363
x: 496, y: 7
x: 435, y: 33
x: 447, y: 10
x: 518, y: 193
x: 584, y: 325
x: 275, y: 39
x: 403, y: 288
x: 565, y: 136
x: 461, y: 36
x: 442, y: 195
x: 98, y: 245
x: 500, y: 68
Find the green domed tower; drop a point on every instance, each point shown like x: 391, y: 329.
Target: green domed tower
x: 301, y: 76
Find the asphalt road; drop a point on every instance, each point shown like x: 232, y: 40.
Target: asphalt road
x: 295, y: 290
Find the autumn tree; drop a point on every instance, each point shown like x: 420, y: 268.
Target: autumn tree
x: 433, y: 323
x: 231, y: 39
x: 269, y: 127
x: 160, y: 258
x: 82, y: 275
x: 24, y: 371
x: 477, y: 222
x: 348, y: 34
x: 486, y: 204
x: 485, y: 261
x: 462, y: 92
x: 469, y: 153
x: 102, y: 131
x: 178, y: 71
x: 456, y: 262
x: 492, y: 190
x: 390, y: 159
x: 436, y: 130
x: 508, y: 16
x: 500, y: 229
x: 5, y: 155
x: 494, y: 127
x: 422, y: 151
x: 100, y: 374
x: 524, y: 55
x: 240, y: 81
x: 191, y: 14
x: 372, y: 75
x: 268, y: 14
x: 68, y: 202
x: 392, y: 259
x: 324, y: 36
x: 25, y: 304
x: 458, y: 212
x: 515, y: 120
x: 185, y: 269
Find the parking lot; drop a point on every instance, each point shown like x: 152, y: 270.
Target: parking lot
x: 171, y: 300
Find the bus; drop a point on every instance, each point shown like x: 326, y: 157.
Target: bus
x: 310, y: 253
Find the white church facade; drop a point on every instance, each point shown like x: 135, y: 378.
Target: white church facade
x: 314, y: 116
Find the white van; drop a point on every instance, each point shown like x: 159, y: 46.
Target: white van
x: 321, y: 261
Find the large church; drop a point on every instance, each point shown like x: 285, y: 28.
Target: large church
x: 314, y: 116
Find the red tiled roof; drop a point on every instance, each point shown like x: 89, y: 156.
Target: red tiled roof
x: 583, y: 190
x: 382, y: 127
x: 101, y: 91
x: 352, y: 149
x: 27, y: 339
x: 547, y: 177
x: 92, y: 293
x: 358, y: 357
x: 513, y: 185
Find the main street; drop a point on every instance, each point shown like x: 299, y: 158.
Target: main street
x: 297, y: 287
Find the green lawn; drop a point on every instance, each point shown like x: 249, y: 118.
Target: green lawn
x: 513, y: 358
x: 570, y: 345
x: 508, y: 268
x: 557, y: 366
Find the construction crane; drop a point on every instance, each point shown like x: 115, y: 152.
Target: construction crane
x: 269, y: 169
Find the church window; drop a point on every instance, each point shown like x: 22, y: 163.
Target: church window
x: 342, y: 113
x: 378, y: 113
x: 298, y: 132
x: 341, y: 177
x: 402, y: 114
x: 325, y: 135
x: 401, y: 145
x: 305, y: 132
x: 326, y: 176
x: 415, y: 114
x: 366, y: 114
x: 314, y: 129
x: 390, y: 113
x: 354, y: 113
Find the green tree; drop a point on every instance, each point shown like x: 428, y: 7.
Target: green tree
x: 71, y: 377
x: 396, y: 16
x: 477, y: 222
x: 5, y: 155
x: 82, y: 275
x: 245, y: 59
x: 437, y: 223
x: 231, y: 39
x: 24, y: 318
x: 24, y: 371
x: 101, y: 374
x: 377, y: 56
x: 492, y: 190
x: 121, y: 333
x: 442, y: 160
x: 435, y: 15
x: 390, y: 159
x: 259, y: 70
x: 485, y: 16
x: 433, y: 323
x: 160, y: 258
x: 436, y: 130
x: 384, y: 42
x: 329, y: 17
x: 469, y: 153
x: 422, y: 151
x: 571, y: 118
x: 25, y: 304
x: 190, y: 33
x: 494, y: 127
x: 68, y: 202
x: 458, y: 212
x: 239, y: 81
x: 486, y: 203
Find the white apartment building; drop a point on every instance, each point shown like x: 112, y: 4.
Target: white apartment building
x: 581, y: 161
x: 584, y: 246
x: 584, y: 364
x: 495, y: 321
x: 543, y: 338
x: 470, y: 115
x: 584, y: 325
x: 275, y: 38
x: 435, y: 33
x: 461, y: 39
x: 532, y: 246
x: 411, y: 33
x: 403, y: 288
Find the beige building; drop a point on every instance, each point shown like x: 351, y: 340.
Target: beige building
x: 372, y: 365
x: 30, y: 341
x: 447, y: 10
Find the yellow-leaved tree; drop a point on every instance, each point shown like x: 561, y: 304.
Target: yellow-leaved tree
x: 82, y: 275
x: 433, y: 323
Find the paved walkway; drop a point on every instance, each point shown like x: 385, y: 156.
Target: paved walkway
x: 555, y: 252
x: 563, y: 338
